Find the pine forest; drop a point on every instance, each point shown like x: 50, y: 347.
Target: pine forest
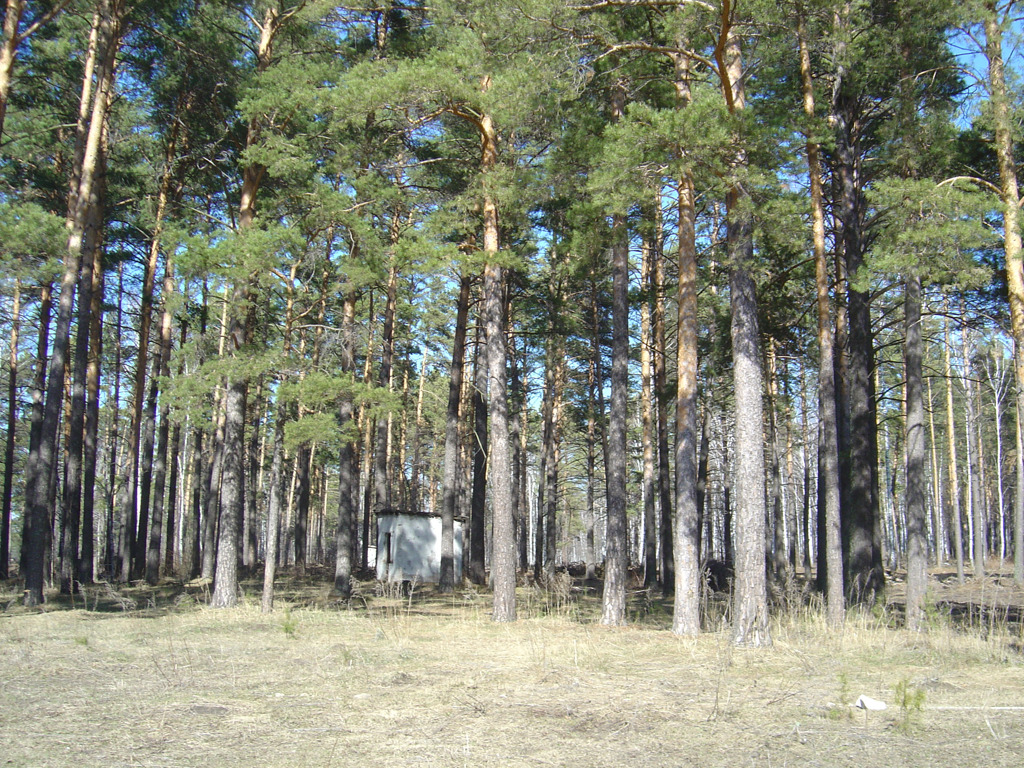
x: 666, y: 295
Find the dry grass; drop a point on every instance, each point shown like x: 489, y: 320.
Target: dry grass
x: 429, y: 680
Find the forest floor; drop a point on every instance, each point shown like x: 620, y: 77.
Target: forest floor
x: 153, y: 677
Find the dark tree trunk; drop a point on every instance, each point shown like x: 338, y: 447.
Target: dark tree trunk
x: 211, y: 508
x: 253, y: 458
x: 348, y: 465
x: 36, y: 423
x: 9, y: 444
x: 382, y: 486
x: 194, y: 541
x: 92, y: 408
x: 41, y: 496
x: 302, y: 462
x: 274, y: 505
x: 448, y: 577
x: 863, y: 573
x: 161, y: 368
x: 662, y: 397
x: 171, y: 528
x: 477, y: 528
x: 72, y: 496
x: 225, y: 582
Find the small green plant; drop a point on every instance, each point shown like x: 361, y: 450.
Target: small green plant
x: 910, y: 700
x: 83, y: 641
x: 842, y: 710
x: 289, y: 624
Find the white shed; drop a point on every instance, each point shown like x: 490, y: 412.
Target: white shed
x: 409, y: 547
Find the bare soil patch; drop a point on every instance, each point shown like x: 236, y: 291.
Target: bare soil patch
x: 427, y: 679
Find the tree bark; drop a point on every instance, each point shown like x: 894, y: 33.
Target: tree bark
x: 647, y: 417
x: 503, y: 547
x: 750, y: 611
x: 1010, y: 198
x: 232, y: 497
x: 616, y: 541
x: 828, y: 446
x: 448, y: 577
x: 348, y: 464
x: 478, y: 498
x: 12, y: 423
x: 956, y: 516
x: 41, y: 495
x: 917, y: 512
x: 977, y: 504
x: 689, y: 488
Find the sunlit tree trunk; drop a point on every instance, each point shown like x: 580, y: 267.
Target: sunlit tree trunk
x: 647, y: 421
x: 503, y: 548
x: 689, y: 490
x: 917, y: 512
x: 750, y: 617
x: 616, y: 537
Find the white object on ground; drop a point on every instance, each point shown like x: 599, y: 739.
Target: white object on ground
x: 872, y: 705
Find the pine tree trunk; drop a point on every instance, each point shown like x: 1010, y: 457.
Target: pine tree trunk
x: 592, y: 416
x: 1004, y: 132
x: 211, y: 508
x: 661, y: 398
x: 616, y: 537
x: 274, y: 509
x: 382, y: 488
x: 232, y: 492
x: 12, y: 423
x: 938, y: 503
x: 253, y: 463
x: 503, y: 547
x: 112, y: 547
x: 977, y: 503
x: 161, y: 369
x: 41, y: 494
x: 448, y: 576
x: 778, y: 533
x: 225, y: 580
x: 478, y: 496
x: 829, y: 534
x: 72, y: 496
x: 647, y: 438
x: 1018, y: 505
x: 415, y: 480
x: 13, y: 13
x: 92, y: 407
x: 143, y: 424
x: 348, y: 463
x: 917, y: 513
x: 750, y: 617
x: 691, y: 472
x: 956, y: 516
x: 172, y: 558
